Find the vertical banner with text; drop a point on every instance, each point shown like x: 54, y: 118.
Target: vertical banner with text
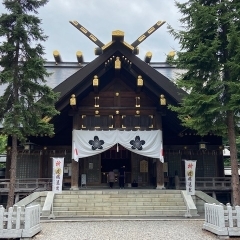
x: 57, y: 180
x: 190, y: 169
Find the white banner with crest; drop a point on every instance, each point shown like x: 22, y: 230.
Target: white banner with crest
x: 89, y: 143
x: 57, y: 176
x: 190, y: 169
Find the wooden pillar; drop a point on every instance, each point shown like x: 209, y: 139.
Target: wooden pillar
x: 75, y: 175
x: 160, y: 175
x: 159, y: 164
x: 75, y: 165
x: 117, y: 122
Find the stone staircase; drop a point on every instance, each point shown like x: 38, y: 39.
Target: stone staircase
x: 119, y: 203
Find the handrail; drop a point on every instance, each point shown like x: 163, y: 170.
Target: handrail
x: 204, y: 183
x: 28, y: 183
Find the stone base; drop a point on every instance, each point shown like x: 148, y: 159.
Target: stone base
x: 74, y: 188
x: 160, y: 187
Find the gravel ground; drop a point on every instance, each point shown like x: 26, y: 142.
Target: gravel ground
x: 125, y: 230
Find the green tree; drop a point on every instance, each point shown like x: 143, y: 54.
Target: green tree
x: 210, y: 54
x: 27, y: 98
x: 3, y: 143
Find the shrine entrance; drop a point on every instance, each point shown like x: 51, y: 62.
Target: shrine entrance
x: 112, y: 160
x: 140, y: 171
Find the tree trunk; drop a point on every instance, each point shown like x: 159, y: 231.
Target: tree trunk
x: 233, y: 157
x: 11, y: 192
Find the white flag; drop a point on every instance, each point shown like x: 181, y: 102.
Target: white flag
x: 161, y: 153
x: 75, y: 152
x: 190, y: 168
x: 58, y: 164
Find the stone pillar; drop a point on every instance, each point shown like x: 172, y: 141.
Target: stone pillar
x: 75, y: 165
x: 160, y: 175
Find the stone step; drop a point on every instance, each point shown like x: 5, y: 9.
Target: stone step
x: 115, y: 200
x: 88, y: 208
x: 118, y: 193
x: 116, y: 213
x: 122, y: 191
x: 125, y: 202
x: 175, y: 199
x: 113, y: 196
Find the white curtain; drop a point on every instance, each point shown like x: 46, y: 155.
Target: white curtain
x: 89, y: 143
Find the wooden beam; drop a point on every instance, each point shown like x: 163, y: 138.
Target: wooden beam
x: 87, y: 33
x: 147, y: 33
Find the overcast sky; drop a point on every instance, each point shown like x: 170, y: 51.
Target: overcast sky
x: 101, y: 17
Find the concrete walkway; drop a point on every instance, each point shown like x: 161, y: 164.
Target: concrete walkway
x: 124, y: 229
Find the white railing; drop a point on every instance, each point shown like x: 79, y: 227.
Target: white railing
x: 223, y: 221
x: 19, y: 222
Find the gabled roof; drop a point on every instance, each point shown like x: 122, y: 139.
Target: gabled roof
x: 156, y: 82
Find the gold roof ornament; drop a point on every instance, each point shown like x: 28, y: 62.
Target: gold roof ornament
x: 147, y: 33
x: 46, y: 119
x: 171, y: 54
x: 107, y: 45
x: 117, y: 35
x: 163, y: 101
x: 79, y: 56
x: 148, y: 57
x: 117, y: 63
x: 73, y: 101
x: 57, y: 56
x: 95, y: 81
x: 88, y: 34
x: 139, y: 81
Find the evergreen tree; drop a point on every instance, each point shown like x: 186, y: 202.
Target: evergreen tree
x: 27, y: 98
x: 210, y: 53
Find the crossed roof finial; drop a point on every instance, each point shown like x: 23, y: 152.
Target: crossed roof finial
x: 101, y: 45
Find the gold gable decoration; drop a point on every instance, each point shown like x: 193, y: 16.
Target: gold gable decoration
x: 95, y: 81
x: 117, y: 35
x: 117, y: 63
x: 79, y: 56
x: 46, y: 119
x: 57, y: 56
x: 128, y: 45
x: 139, y: 81
x: 72, y: 100
x: 163, y: 101
x: 107, y: 45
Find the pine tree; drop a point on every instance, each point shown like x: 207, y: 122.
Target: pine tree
x: 210, y: 55
x: 26, y: 98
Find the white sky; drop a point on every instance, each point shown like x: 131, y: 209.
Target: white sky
x: 101, y: 17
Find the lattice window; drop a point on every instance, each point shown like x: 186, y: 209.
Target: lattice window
x: 28, y: 166
x: 137, y: 121
x: 97, y: 121
x: 174, y: 164
x: 209, y: 165
x: 141, y: 177
x: 199, y: 166
x: 92, y: 169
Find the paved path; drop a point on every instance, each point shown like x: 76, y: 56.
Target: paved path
x: 105, y: 229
